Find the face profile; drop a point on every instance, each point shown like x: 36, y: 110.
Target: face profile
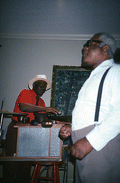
x: 92, y: 52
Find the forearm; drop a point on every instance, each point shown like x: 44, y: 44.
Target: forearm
x: 26, y: 107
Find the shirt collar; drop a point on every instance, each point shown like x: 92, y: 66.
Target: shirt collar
x: 103, y: 66
x: 32, y: 91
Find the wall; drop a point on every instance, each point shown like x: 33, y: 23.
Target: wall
x: 22, y: 59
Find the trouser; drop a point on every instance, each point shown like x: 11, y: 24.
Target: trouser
x: 14, y: 172
x: 98, y: 166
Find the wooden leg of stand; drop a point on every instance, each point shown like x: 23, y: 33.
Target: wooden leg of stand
x: 34, y: 173
x: 37, y: 173
x: 56, y: 173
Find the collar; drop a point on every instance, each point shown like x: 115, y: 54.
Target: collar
x: 103, y: 66
x: 32, y: 91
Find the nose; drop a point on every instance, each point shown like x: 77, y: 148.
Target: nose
x: 41, y: 87
x: 85, y: 48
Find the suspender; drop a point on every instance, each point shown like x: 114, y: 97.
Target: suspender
x: 99, y: 95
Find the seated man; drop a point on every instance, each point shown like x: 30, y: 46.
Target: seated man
x: 28, y: 101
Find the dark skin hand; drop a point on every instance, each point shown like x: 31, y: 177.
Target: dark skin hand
x: 65, y: 131
x: 81, y: 148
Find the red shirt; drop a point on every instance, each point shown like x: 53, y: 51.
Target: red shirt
x: 27, y: 96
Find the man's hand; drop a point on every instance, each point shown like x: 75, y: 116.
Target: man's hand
x: 65, y: 131
x: 81, y: 148
x: 52, y: 110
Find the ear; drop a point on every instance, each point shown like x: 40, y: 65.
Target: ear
x: 105, y: 48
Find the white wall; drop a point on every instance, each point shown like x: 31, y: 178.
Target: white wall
x: 24, y: 58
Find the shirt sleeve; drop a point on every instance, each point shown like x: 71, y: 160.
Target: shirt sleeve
x: 22, y: 97
x: 109, y: 128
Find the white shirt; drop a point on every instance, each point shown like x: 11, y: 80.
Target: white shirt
x: 108, y: 126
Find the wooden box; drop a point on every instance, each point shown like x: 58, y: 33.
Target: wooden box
x: 39, y: 142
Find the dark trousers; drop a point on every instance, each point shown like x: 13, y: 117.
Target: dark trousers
x: 14, y: 172
x: 98, y: 166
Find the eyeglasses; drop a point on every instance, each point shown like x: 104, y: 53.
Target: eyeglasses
x: 88, y: 43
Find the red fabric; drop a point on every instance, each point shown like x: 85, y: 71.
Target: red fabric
x: 27, y: 96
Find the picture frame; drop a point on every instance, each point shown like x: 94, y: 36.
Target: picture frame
x: 66, y: 84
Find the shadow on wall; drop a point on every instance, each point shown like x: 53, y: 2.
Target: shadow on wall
x: 117, y: 56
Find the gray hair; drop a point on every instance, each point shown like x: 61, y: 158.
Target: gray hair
x: 108, y: 40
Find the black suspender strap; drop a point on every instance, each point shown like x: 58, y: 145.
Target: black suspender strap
x: 99, y: 95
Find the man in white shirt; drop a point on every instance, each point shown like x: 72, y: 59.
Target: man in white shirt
x: 96, y: 144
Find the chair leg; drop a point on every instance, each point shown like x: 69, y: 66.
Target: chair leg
x: 34, y: 173
x: 56, y: 173
x: 37, y: 173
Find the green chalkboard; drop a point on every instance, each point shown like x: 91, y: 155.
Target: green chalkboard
x: 66, y: 83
